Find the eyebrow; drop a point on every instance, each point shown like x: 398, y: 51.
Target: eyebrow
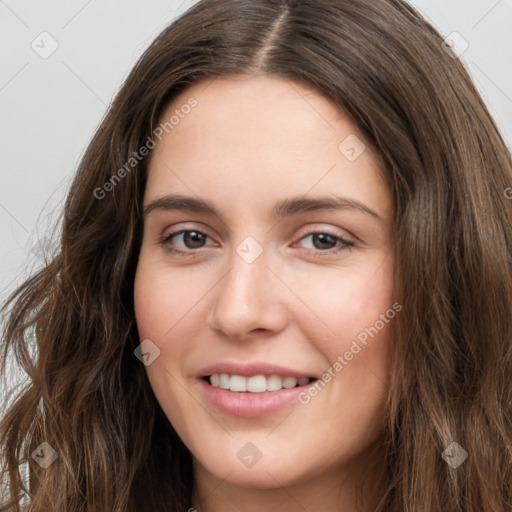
x: 284, y: 208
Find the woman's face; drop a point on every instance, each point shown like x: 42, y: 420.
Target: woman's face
x: 268, y: 289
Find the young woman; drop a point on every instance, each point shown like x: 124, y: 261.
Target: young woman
x: 284, y: 280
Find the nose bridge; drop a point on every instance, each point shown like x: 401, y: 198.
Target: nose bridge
x: 248, y: 296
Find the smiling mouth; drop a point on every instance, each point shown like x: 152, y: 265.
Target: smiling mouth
x: 256, y: 383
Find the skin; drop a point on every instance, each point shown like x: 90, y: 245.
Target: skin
x: 250, y: 142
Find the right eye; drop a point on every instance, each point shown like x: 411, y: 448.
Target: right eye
x: 191, y: 238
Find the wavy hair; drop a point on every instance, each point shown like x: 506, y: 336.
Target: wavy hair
x: 71, y: 326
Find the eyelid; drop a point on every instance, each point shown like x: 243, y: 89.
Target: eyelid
x: 164, y: 239
x: 335, y: 232
x: 315, y: 228
x: 346, y: 242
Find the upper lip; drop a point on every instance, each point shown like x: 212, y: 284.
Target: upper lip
x: 251, y: 369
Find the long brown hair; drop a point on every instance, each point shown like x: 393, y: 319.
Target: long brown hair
x: 448, y: 168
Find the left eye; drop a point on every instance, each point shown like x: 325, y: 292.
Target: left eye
x: 323, y: 238
x: 195, y: 240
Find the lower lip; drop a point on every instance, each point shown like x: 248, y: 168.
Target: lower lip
x: 251, y: 405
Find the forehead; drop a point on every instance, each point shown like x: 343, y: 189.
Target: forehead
x: 261, y: 137
x: 260, y: 109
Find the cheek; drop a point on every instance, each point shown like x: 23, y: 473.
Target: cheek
x: 352, y: 305
x: 160, y: 297
x: 352, y: 389
x: 357, y: 308
x: 160, y: 310
x: 156, y: 303
x: 168, y: 304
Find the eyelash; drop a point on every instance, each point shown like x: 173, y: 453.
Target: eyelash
x: 165, y: 242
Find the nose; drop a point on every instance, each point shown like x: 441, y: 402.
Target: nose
x: 249, y: 299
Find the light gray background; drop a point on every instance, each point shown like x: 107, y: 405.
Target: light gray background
x: 51, y: 107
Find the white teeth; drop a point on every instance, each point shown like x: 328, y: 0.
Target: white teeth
x: 289, y: 382
x: 238, y: 383
x: 223, y: 381
x: 274, y: 383
x: 255, y: 384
